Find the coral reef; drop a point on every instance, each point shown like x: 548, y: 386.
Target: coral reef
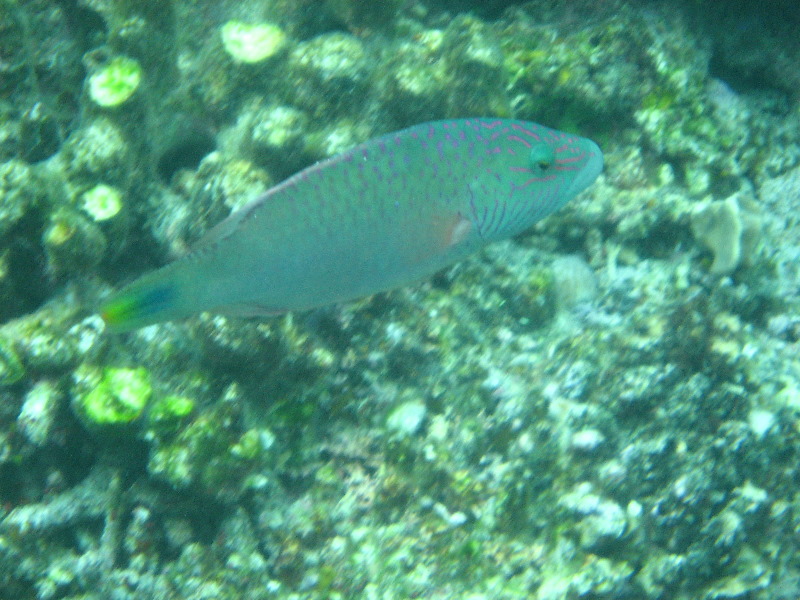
x: 728, y: 231
x: 605, y: 407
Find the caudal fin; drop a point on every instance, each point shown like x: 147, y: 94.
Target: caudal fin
x: 144, y: 302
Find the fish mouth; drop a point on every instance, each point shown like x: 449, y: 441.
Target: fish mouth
x: 590, y: 171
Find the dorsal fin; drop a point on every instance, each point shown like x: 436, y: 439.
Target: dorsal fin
x: 225, y: 228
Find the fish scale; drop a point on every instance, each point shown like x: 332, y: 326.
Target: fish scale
x: 386, y: 213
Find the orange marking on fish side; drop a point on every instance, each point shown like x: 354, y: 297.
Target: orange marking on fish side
x: 458, y: 230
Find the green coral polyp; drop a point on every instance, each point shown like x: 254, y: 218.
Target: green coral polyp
x: 251, y: 43
x: 102, y: 202
x: 116, y: 82
x: 119, y: 397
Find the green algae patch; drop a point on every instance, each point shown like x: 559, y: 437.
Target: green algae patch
x: 115, y: 82
x: 168, y: 413
x: 114, y: 396
x: 251, y: 43
x: 211, y: 456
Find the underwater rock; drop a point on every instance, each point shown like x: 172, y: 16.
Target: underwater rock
x: 12, y: 369
x: 39, y: 134
x: 415, y: 82
x: 718, y: 226
x: 39, y: 412
x: 587, y: 440
x: 729, y: 232
x: 205, y: 197
x: 406, y: 419
x: 47, y: 341
x: 328, y: 75
x: 97, y: 150
x: 212, y: 453
x: 602, y: 522
x: 72, y: 242
x: 273, y: 136
x: 86, y: 501
x: 474, y: 62
x: 252, y: 43
x: 20, y: 191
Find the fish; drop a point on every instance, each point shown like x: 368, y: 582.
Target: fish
x: 384, y: 214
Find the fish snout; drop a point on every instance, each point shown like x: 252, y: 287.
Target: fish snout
x: 590, y: 170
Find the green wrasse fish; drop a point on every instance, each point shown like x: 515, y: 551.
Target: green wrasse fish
x: 386, y: 213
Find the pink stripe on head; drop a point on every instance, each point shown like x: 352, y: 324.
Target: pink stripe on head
x: 519, y: 127
x: 536, y: 180
x: 516, y: 138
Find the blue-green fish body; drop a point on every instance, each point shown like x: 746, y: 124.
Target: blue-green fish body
x: 386, y: 213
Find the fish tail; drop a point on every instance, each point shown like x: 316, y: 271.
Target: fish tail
x: 144, y: 302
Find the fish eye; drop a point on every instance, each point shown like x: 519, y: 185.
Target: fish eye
x: 542, y: 157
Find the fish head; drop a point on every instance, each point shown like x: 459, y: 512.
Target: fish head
x: 530, y: 171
